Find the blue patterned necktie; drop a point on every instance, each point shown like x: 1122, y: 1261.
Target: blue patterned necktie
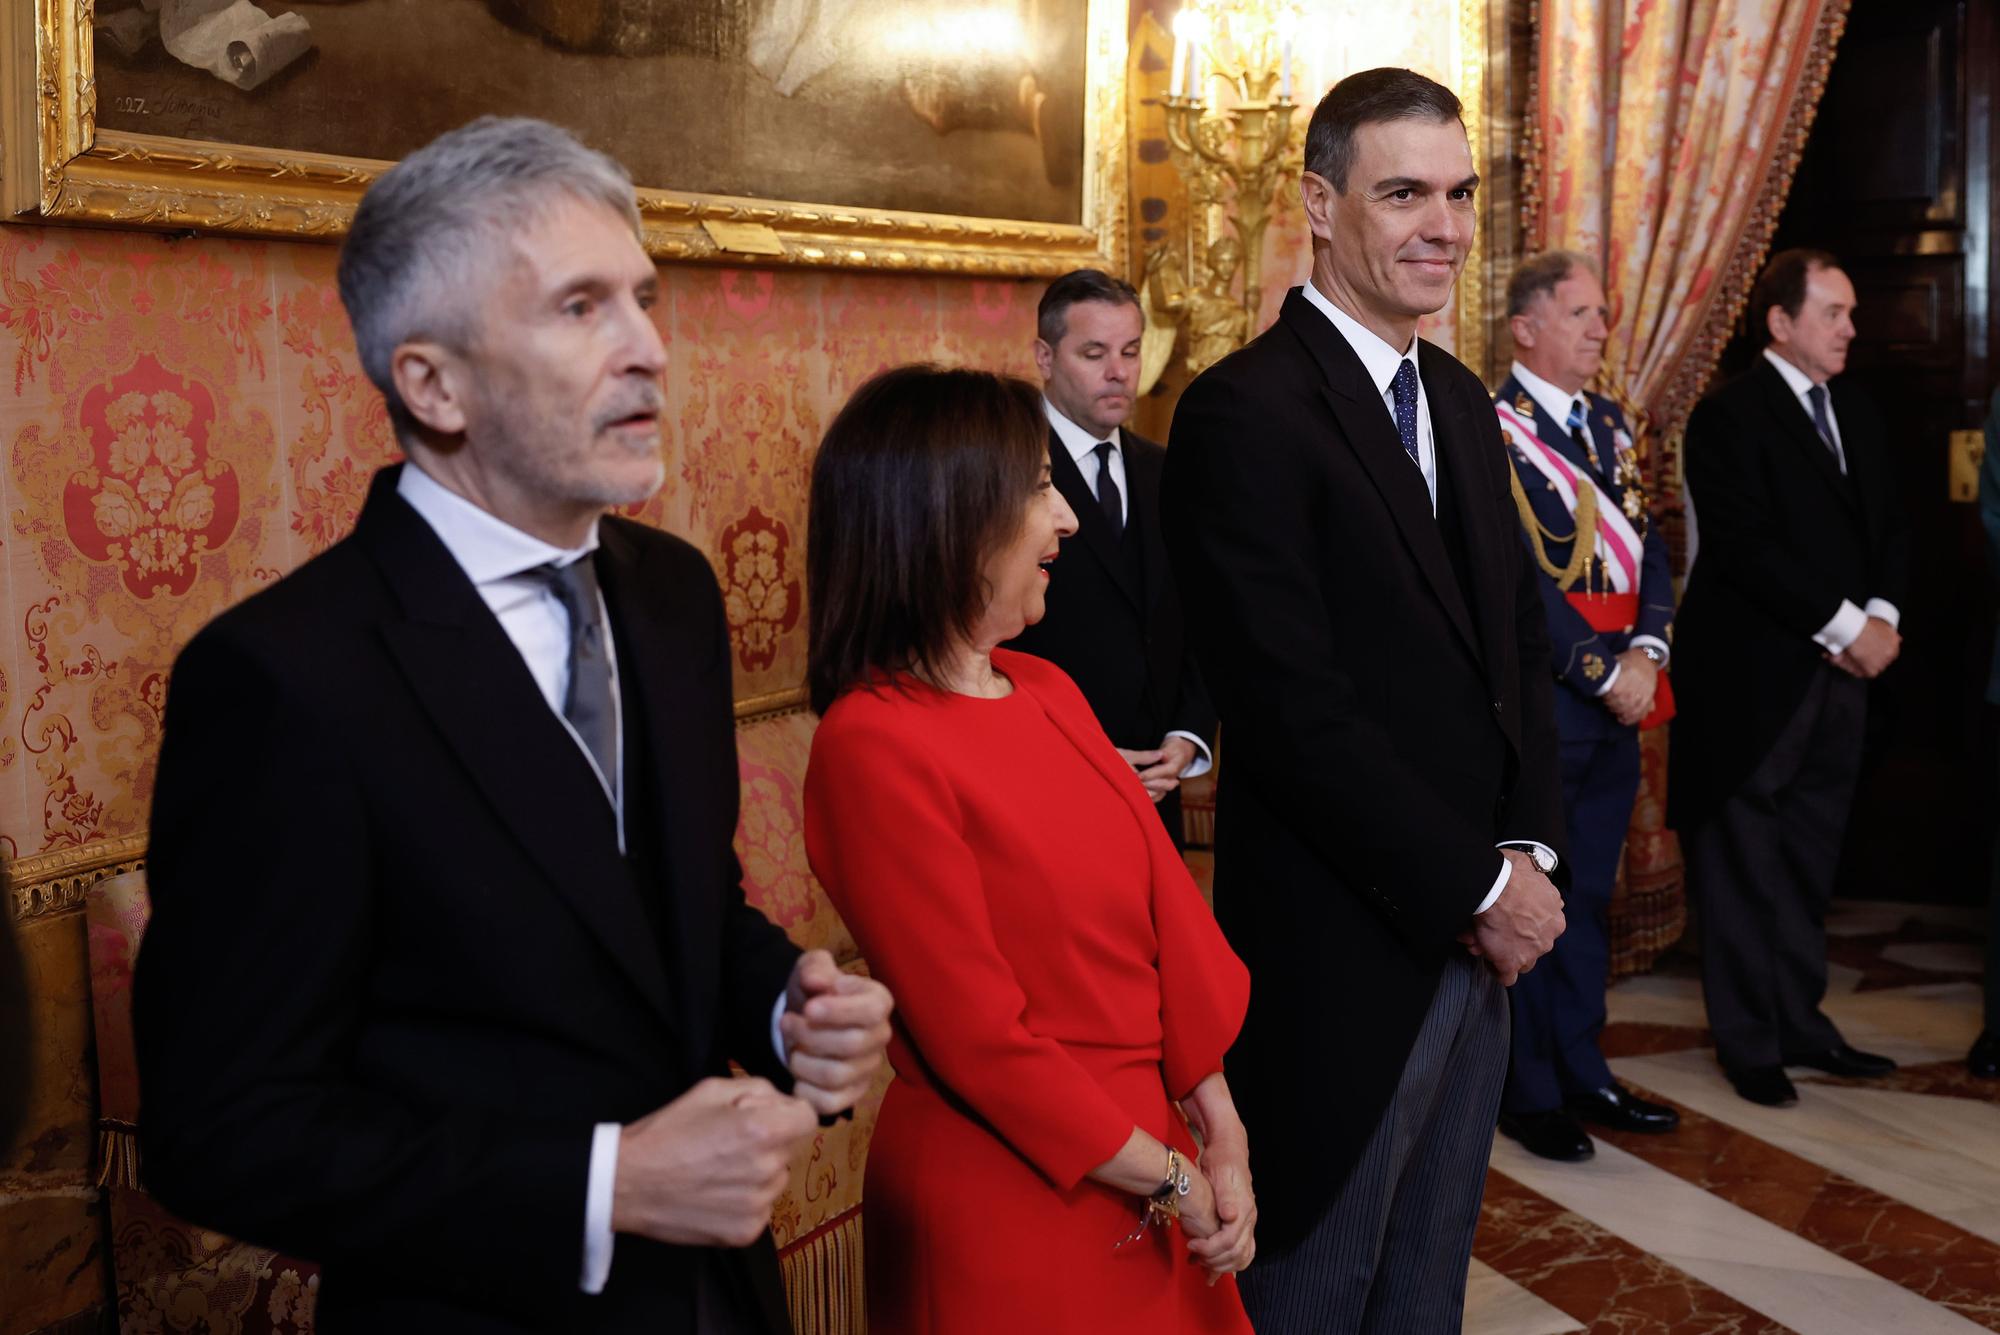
x: 1405, y: 386
x: 1579, y: 432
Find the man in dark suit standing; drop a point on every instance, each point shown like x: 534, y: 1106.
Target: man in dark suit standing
x: 1114, y: 620
x: 1791, y: 609
x: 1338, y: 513
x: 1608, y: 591
x: 448, y: 951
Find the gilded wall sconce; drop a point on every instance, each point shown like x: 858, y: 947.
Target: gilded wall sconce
x: 1229, y: 134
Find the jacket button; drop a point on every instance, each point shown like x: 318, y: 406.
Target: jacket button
x: 1497, y: 709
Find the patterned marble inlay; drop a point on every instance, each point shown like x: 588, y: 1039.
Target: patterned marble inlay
x: 1596, y: 1276
x: 1923, y: 1254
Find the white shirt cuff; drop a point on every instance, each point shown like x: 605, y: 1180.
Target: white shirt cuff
x: 1507, y: 870
x: 1609, y: 681
x: 777, y: 1034
x: 597, y: 1207
x: 1843, y: 630
x: 1203, y: 761
x: 1499, y: 884
x: 1666, y: 650
x: 1885, y: 610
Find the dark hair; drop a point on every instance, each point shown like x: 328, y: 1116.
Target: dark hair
x: 1369, y: 98
x: 1539, y: 276
x: 1783, y: 284
x: 1052, y: 316
x: 921, y: 477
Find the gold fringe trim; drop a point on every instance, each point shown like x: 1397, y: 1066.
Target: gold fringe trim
x: 1533, y: 239
x: 823, y: 1280
x: 117, y: 1153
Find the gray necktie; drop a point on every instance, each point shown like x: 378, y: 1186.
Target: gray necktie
x: 588, y: 704
x: 1824, y: 425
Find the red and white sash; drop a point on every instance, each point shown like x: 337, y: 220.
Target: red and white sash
x: 1618, y: 543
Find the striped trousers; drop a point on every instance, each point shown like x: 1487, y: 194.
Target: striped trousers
x: 1389, y: 1256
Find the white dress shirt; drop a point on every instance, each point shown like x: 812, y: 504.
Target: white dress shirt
x: 1849, y: 621
x: 502, y: 562
x: 1082, y: 447
x: 1551, y: 400
x: 1380, y: 360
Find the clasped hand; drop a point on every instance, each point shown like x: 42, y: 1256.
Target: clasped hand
x: 1522, y: 925
x: 1630, y: 698
x: 1878, y: 645
x: 705, y: 1170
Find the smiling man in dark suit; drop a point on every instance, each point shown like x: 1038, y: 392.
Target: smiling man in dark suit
x: 1338, y: 512
x: 449, y: 953
x: 1791, y: 609
x: 1114, y: 620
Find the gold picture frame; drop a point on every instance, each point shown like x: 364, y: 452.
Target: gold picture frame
x: 57, y: 165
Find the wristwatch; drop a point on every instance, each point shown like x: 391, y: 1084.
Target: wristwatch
x: 1545, y: 861
x: 1653, y: 652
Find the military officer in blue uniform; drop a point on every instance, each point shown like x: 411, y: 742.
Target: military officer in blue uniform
x: 1608, y: 591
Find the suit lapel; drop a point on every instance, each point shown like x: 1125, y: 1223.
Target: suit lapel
x: 1088, y: 738
x: 1458, y: 443
x: 1142, y: 475
x: 1091, y: 525
x: 1798, y: 427
x: 1357, y: 410
x: 477, y: 690
x: 656, y: 670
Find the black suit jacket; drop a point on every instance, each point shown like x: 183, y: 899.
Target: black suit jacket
x: 1781, y: 538
x: 1113, y: 623
x: 398, y: 968
x: 1389, y: 720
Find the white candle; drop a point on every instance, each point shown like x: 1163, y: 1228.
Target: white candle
x: 1179, y: 77
x: 1285, y: 69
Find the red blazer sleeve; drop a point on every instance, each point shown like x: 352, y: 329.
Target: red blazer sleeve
x: 886, y: 838
x: 1204, y: 987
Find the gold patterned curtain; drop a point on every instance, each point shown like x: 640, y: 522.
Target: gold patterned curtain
x: 1663, y: 138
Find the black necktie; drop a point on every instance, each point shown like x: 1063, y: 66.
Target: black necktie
x: 588, y: 703
x: 1108, y: 497
x: 1817, y: 397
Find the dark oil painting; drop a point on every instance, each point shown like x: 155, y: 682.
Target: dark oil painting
x: 967, y: 107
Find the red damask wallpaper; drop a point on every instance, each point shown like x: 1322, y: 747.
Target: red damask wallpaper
x: 189, y: 421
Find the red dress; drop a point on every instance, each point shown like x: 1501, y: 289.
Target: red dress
x: 1057, y: 980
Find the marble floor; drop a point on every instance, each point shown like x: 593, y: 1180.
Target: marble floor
x: 1869, y: 1208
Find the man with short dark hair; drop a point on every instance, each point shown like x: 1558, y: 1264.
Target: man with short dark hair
x: 1114, y: 620
x: 1338, y: 512
x: 1790, y: 610
x: 1608, y: 591
x: 449, y: 953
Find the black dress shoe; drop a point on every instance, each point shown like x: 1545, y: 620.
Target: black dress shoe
x: 1550, y: 1135
x: 1843, y: 1060
x: 1984, y: 1059
x: 1767, y: 1085
x: 1620, y: 1109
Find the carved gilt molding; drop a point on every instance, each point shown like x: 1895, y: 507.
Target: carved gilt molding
x: 119, y: 178
x: 52, y: 884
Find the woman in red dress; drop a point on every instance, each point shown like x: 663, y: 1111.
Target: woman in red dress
x: 1060, y: 986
